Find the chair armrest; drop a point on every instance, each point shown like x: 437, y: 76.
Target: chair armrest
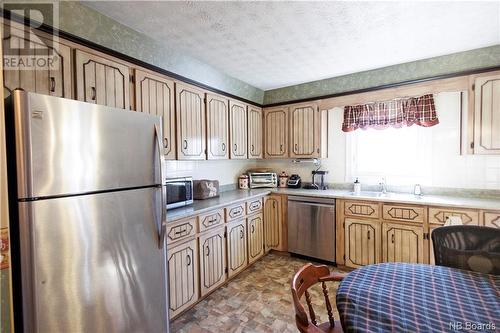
x: 333, y: 277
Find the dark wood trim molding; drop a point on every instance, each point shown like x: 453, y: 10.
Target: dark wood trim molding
x: 78, y: 40
x: 387, y: 86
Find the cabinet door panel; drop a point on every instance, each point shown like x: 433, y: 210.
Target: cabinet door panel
x: 101, y: 81
x: 304, y: 130
x: 255, y: 132
x: 183, y: 276
x: 487, y: 115
x: 272, y: 223
x: 190, y: 113
x: 238, y: 130
x: 276, y: 133
x: 52, y: 78
x: 402, y: 243
x: 155, y: 95
x: 255, y: 237
x: 237, y: 247
x: 362, y: 242
x: 212, y: 261
x: 217, y: 127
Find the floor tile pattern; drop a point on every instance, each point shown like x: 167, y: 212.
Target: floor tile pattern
x: 258, y: 300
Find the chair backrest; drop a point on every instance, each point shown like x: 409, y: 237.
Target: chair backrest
x: 306, y: 277
x: 466, y: 247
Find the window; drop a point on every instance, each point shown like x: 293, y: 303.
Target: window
x: 400, y: 155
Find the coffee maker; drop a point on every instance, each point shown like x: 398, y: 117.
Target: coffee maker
x: 321, y: 185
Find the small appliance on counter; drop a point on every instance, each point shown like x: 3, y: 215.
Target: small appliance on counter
x: 263, y: 179
x: 283, y: 179
x: 294, y: 181
x: 205, y: 189
x: 179, y: 192
x: 243, y: 182
x: 314, y: 185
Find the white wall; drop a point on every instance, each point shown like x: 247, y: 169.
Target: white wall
x: 447, y: 168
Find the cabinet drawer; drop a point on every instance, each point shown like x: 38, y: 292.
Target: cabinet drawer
x: 211, y: 219
x: 363, y: 209
x: 440, y: 215
x: 492, y: 219
x: 254, y: 206
x: 403, y: 213
x: 235, y: 211
x: 181, y: 230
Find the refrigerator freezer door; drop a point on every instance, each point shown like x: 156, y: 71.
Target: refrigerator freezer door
x: 93, y: 264
x: 69, y: 147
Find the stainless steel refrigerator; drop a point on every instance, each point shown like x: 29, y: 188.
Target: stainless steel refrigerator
x: 91, y: 209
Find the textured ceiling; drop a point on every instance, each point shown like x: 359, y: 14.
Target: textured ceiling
x: 276, y: 44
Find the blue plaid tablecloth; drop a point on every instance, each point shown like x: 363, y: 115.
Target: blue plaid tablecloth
x: 399, y: 297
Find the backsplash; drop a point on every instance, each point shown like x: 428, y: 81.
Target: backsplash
x: 447, y: 168
x: 225, y: 171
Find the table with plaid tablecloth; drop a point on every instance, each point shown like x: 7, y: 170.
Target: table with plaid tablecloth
x: 399, y: 297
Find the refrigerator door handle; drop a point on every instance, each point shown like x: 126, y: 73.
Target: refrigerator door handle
x: 163, y: 225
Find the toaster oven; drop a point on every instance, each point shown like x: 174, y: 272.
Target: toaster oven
x: 263, y: 179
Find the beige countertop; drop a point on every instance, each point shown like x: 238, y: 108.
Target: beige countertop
x: 235, y: 196
x: 431, y: 200
x: 223, y: 200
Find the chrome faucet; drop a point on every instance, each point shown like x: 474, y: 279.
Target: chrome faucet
x: 383, y: 186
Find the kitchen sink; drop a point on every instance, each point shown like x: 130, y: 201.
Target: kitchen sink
x: 373, y: 194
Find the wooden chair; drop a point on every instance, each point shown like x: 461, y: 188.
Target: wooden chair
x: 306, y: 277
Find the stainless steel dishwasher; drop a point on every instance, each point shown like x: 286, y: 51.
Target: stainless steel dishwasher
x: 311, y: 227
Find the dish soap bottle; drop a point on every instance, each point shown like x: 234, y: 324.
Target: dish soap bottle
x: 357, y: 186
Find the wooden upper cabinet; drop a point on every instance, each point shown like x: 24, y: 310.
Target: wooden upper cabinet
x: 155, y: 95
x: 238, y: 130
x: 50, y: 77
x: 487, y: 115
x: 402, y: 243
x: 255, y: 132
x: 276, y: 132
x: 362, y: 242
x: 217, y: 127
x: 101, y: 81
x: 190, y: 114
x: 305, y: 130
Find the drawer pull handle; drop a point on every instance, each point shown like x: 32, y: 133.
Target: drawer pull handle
x: 208, y: 251
x: 253, y: 148
x: 281, y: 148
x: 185, y: 144
x: 93, y: 95
x: 241, y: 234
x: 253, y: 228
x: 392, y: 239
x: 296, y: 148
x: 188, y: 260
x: 368, y: 234
x: 235, y: 147
x: 166, y: 142
x: 223, y: 146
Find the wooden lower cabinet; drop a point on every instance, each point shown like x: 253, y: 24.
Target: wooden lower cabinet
x: 212, y: 260
x: 182, y: 276
x: 273, y: 225
x: 362, y: 242
x: 402, y: 243
x: 255, y: 227
x: 237, y: 258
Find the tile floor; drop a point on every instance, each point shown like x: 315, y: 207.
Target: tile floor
x: 257, y: 300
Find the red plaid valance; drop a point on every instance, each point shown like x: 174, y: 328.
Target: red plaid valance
x: 395, y: 113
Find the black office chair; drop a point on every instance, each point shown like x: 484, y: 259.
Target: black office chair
x: 467, y: 247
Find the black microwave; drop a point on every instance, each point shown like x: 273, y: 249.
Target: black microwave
x: 179, y: 192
